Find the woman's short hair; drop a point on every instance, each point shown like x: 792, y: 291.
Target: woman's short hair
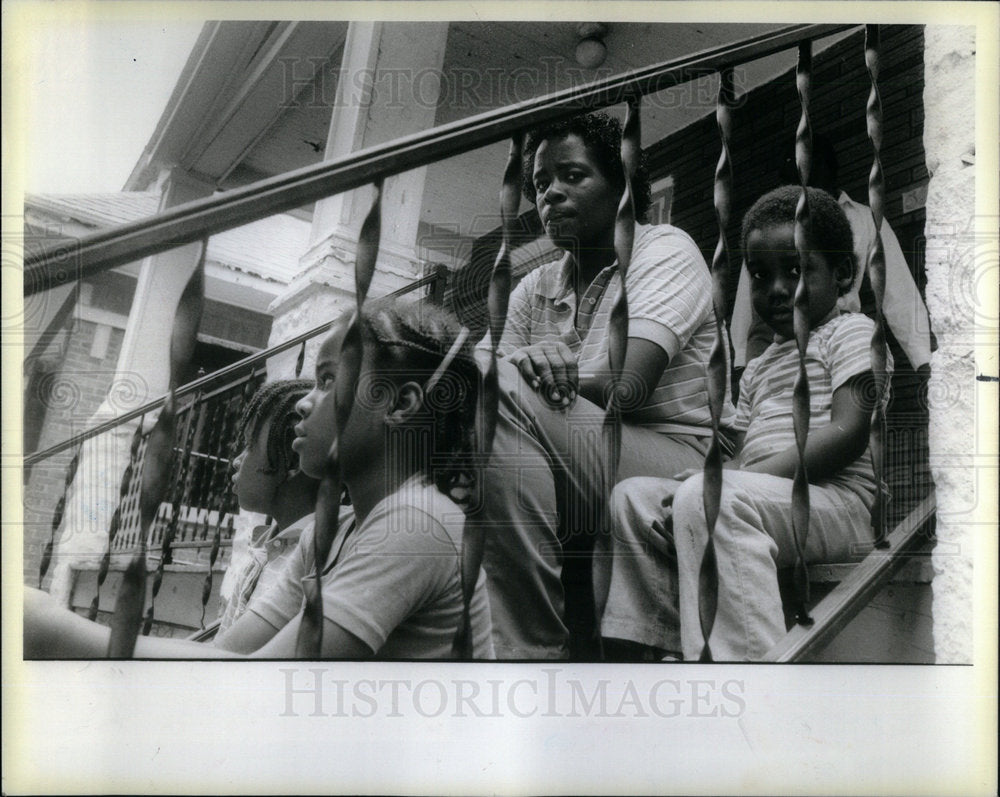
x: 603, y: 136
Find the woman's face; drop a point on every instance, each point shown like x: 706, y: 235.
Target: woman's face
x: 577, y: 203
x: 316, y: 432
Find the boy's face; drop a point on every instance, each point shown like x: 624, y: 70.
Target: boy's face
x: 773, y: 265
x: 576, y: 202
x: 315, y: 433
x: 254, y: 480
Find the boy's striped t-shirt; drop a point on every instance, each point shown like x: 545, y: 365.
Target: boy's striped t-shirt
x: 837, y: 351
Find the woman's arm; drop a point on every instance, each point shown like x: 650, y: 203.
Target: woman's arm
x: 645, y: 363
x: 669, y: 300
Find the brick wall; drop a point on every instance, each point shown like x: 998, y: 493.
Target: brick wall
x: 763, y: 133
x: 764, y: 128
x: 69, y: 394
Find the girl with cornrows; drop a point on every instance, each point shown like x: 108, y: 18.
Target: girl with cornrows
x: 392, y: 587
x: 266, y: 479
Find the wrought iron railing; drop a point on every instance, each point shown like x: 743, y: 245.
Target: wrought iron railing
x: 199, y: 512
x: 171, y: 486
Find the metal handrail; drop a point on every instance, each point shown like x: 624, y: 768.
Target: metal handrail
x: 191, y: 221
x: 868, y: 576
x: 194, y: 220
x: 206, y: 382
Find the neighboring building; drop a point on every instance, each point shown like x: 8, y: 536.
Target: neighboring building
x: 257, y: 99
x: 72, y: 372
x: 246, y: 269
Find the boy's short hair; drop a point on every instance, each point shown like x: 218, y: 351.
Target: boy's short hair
x: 829, y: 231
x: 603, y: 136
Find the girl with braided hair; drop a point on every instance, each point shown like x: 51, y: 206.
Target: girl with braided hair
x: 266, y: 479
x: 392, y: 585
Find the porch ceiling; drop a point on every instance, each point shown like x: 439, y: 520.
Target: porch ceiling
x: 229, y: 120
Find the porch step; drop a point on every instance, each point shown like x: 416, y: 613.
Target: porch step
x: 178, y: 603
x: 879, y: 610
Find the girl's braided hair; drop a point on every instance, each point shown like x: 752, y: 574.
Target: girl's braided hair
x: 603, y: 136
x: 275, y: 402
x: 412, y: 341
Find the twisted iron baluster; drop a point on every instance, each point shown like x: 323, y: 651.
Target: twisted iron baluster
x: 123, y: 491
x: 718, y: 372
x: 127, y: 616
x: 129, y: 519
x: 57, y: 516
x: 619, y: 391
x: 212, y: 489
x: 618, y: 320
x: 218, y: 436
x: 300, y: 359
x: 309, y: 644
x: 800, y: 322
x: 498, y: 296
x: 876, y: 273
x: 220, y: 491
x: 180, y: 494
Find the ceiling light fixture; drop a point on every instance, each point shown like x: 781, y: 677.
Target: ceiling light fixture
x: 591, y: 50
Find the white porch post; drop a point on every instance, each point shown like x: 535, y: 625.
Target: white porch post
x: 142, y: 375
x: 145, y: 353
x: 389, y: 87
x: 963, y: 464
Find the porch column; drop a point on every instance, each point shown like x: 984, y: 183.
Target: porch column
x: 142, y: 374
x: 389, y: 87
x: 962, y: 305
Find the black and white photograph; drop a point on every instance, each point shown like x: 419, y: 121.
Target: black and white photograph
x: 445, y: 398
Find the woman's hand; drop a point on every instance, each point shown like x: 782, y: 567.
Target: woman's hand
x: 551, y: 370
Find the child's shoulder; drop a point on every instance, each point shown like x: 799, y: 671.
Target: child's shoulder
x: 419, y: 506
x: 847, y: 328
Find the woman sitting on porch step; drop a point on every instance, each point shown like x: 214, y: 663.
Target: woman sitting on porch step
x: 546, y: 487
x: 392, y: 586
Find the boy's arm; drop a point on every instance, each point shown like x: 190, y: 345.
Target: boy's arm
x: 835, y: 446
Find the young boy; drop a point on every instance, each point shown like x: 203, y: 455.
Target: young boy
x: 753, y: 534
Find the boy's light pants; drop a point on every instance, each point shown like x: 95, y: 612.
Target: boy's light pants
x: 753, y: 538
